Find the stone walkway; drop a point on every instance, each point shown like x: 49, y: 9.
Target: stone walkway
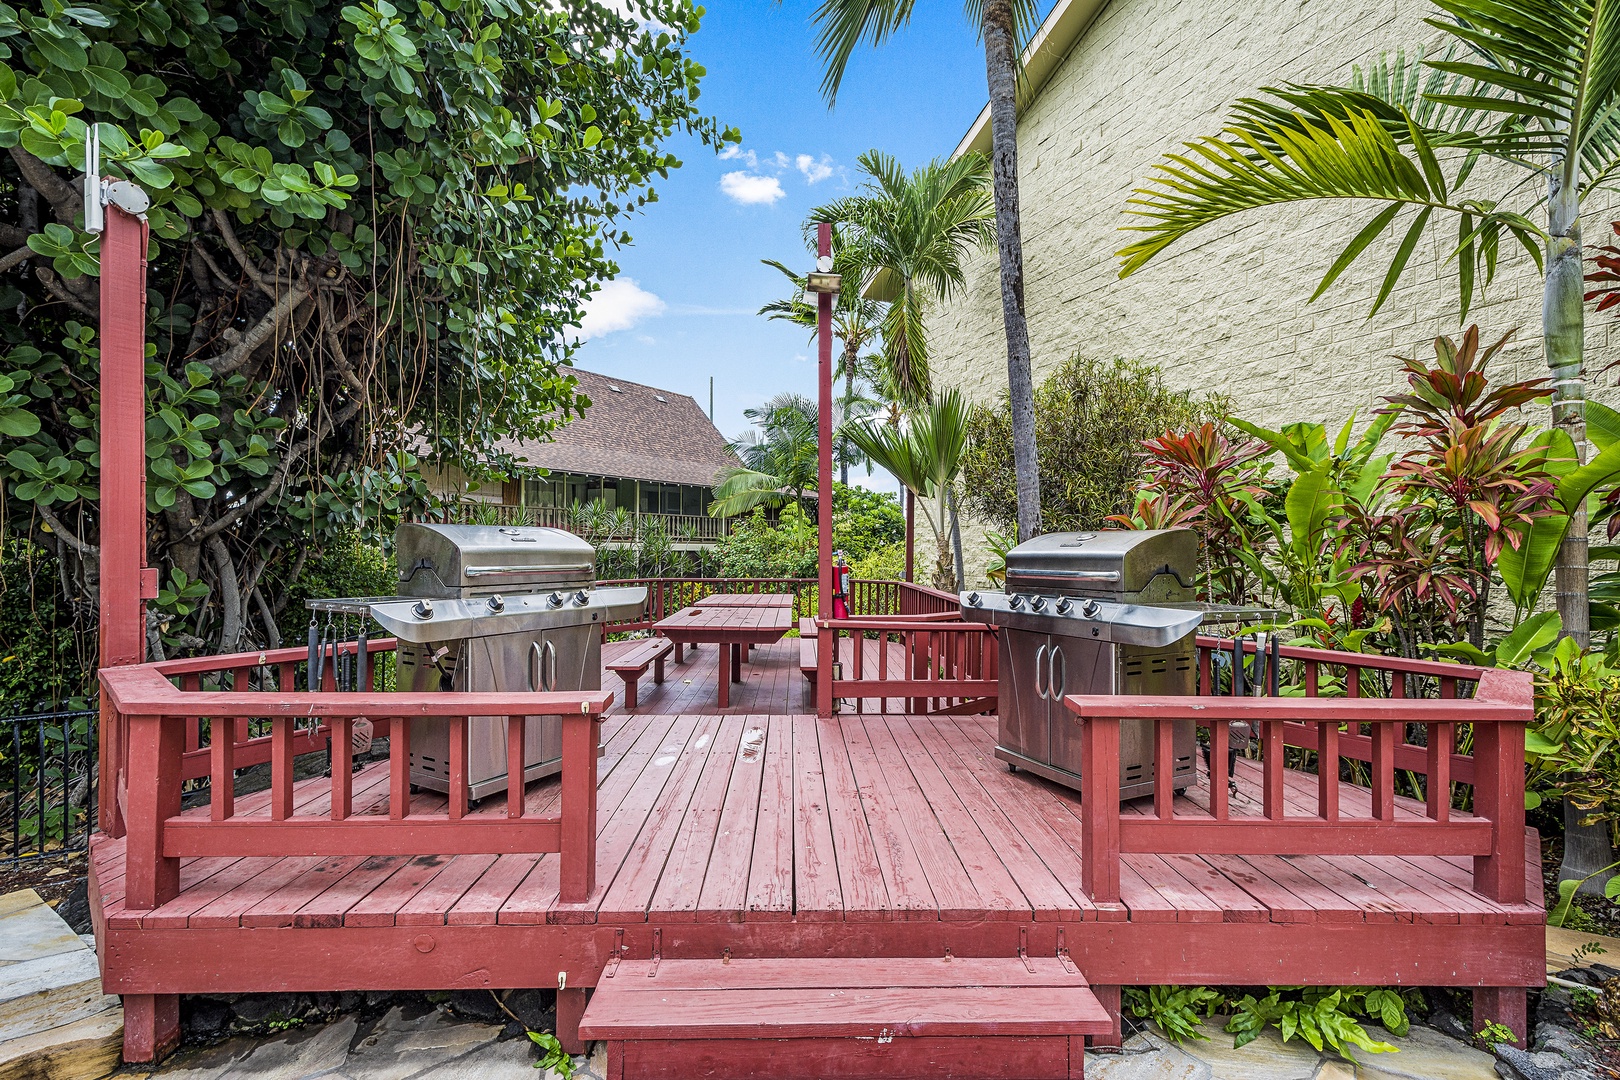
x: 435, y: 1046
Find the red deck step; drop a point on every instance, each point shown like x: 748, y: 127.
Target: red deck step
x: 850, y: 1019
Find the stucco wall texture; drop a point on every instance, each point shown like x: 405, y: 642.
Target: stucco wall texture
x: 1227, y: 308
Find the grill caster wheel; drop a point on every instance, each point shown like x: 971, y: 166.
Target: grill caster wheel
x: 1011, y: 767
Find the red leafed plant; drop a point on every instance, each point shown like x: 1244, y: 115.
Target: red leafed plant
x: 1607, y: 275
x: 1202, y: 478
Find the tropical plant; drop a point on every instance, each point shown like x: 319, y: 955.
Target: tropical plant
x: 778, y: 458
x: 925, y: 453
x: 373, y: 229
x: 1323, y: 1016
x: 1091, y: 417
x: 1003, y: 26
x: 1178, y: 1011
x: 856, y: 322
x: 1210, y: 483
x: 1531, y: 84
x: 909, y: 232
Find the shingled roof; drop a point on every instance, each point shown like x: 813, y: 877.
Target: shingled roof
x: 634, y: 431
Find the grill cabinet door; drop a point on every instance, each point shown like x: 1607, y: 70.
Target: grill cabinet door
x: 1023, y: 713
x: 1081, y: 666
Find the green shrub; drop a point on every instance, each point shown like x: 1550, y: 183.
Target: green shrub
x: 883, y: 564
x: 865, y: 521
x: 44, y: 665
x: 758, y: 549
x: 1090, y: 419
x: 345, y: 566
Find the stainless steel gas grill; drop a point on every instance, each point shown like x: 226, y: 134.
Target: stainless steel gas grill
x: 483, y: 608
x: 1093, y: 613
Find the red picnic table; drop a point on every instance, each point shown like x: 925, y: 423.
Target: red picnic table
x: 727, y: 626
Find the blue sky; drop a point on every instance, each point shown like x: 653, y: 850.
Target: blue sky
x: 683, y: 306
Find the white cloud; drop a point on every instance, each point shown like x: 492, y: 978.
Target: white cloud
x: 779, y: 160
x: 749, y: 189
x: 736, y: 151
x: 618, y: 305
x: 814, y: 171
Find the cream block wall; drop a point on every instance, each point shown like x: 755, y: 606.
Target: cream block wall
x: 1225, y: 309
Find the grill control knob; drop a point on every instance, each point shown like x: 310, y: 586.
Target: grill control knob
x: 582, y: 598
x: 1038, y: 604
x: 497, y: 605
x: 1063, y: 605
x: 554, y: 600
x: 1015, y: 601
x: 974, y: 599
x: 423, y: 609
x: 1090, y: 608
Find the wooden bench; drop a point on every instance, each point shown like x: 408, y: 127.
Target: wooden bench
x: 850, y: 1017
x: 807, y: 649
x: 632, y: 665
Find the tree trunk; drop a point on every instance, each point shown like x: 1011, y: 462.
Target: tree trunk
x: 1562, y: 330
x: 1001, y: 68
x: 1586, y: 851
x: 956, y: 540
x: 849, y: 395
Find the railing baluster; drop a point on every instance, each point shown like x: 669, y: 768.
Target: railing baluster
x: 1442, y: 738
x: 1383, y: 770
x: 1220, y: 742
x: 1206, y: 671
x: 514, y: 764
x: 399, y: 768
x: 1312, y: 674
x: 1327, y: 770
x: 221, y: 767
x: 1272, y: 766
x: 1164, y: 768
x: 1352, y: 681
x: 282, y: 731
x: 458, y: 767
x: 342, y: 742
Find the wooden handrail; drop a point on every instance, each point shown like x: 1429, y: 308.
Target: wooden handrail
x: 944, y: 665
x: 146, y: 759
x: 1493, y: 834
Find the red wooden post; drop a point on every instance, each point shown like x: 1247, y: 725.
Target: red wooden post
x: 577, y: 880
x: 1220, y: 739
x: 1505, y: 1005
x: 155, y: 745
x: 1164, y: 768
x: 1272, y: 769
x: 458, y: 767
x: 222, y: 768
x: 1442, y: 738
x: 399, y: 769
x: 1109, y: 998
x: 1099, y: 818
x: 516, y: 726
x: 122, y: 525
x: 342, y: 728
x: 570, y: 1010
x: 826, y: 654
x: 1499, y: 796
x: 824, y: 433
x: 1327, y: 769
x: 151, y: 1026
x: 1383, y: 766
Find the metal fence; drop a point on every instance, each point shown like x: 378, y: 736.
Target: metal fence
x: 48, y: 800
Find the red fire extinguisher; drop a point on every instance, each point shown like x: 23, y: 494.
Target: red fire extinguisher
x: 840, y: 597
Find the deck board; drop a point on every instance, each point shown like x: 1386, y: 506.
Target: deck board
x: 765, y: 813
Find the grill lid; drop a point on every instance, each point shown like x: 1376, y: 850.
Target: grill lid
x: 1135, y: 564
x: 447, y: 560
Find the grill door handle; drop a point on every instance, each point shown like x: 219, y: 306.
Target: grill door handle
x: 1040, y: 687
x: 537, y: 665
x: 1057, y: 673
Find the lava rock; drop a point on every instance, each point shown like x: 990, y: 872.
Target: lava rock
x: 1446, y: 1023
x: 377, y: 999
x: 476, y: 1005
x: 537, y: 1009
x: 255, y: 1009
x: 1526, y: 1066
x: 75, y: 908
x: 205, y: 1018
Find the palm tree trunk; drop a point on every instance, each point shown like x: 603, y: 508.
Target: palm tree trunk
x: 1586, y: 847
x: 1001, y: 67
x: 849, y: 395
x: 956, y: 541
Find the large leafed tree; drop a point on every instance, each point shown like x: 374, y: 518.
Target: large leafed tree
x: 373, y: 232
x: 1002, y: 26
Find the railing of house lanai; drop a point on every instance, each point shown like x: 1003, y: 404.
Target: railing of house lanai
x: 156, y: 733
x: 680, y: 527
x: 1462, y: 758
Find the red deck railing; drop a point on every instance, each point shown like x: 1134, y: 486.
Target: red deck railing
x: 1476, y: 740
x: 152, y: 741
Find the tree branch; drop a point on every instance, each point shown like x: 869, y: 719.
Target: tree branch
x: 12, y: 235
x: 64, y: 197
x: 85, y: 550
x: 241, y: 352
x: 15, y: 257
x: 222, y: 222
x: 47, y: 277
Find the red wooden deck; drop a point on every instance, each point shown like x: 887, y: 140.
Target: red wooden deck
x: 771, y: 832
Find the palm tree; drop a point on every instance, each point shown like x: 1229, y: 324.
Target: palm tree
x: 1533, y: 84
x: 856, y: 321
x: 778, y: 460
x: 1002, y: 25
x: 912, y: 230
x: 925, y: 453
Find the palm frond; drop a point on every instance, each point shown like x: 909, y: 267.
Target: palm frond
x: 842, y: 25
